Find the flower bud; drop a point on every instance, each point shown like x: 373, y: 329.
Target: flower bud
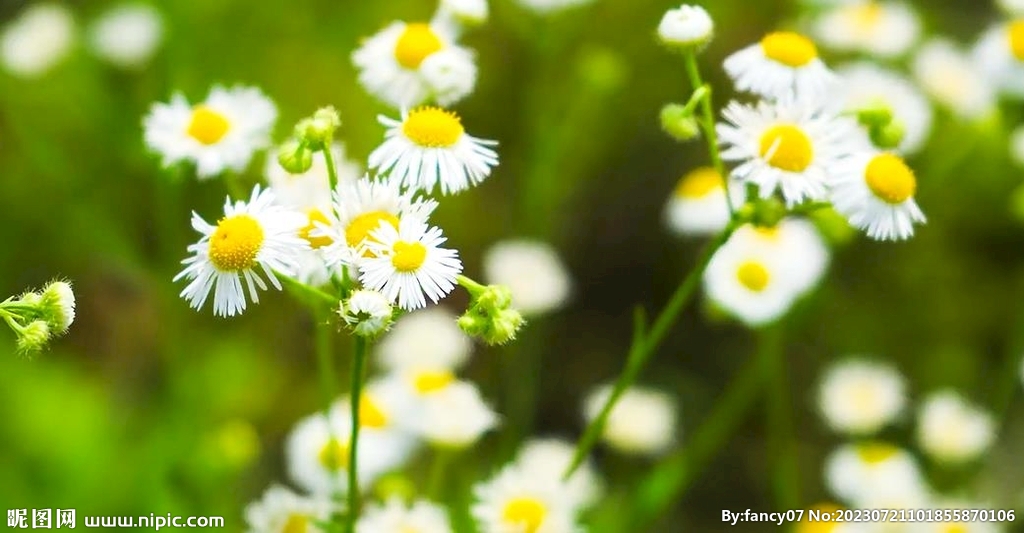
x: 318, y: 130
x: 687, y: 27
x: 33, y: 337
x: 367, y: 313
x: 57, y: 306
x: 679, y: 123
x: 504, y: 327
x: 873, y: 117
x: 294, y: 157
x: 888, y: 136
x: 466, y: 12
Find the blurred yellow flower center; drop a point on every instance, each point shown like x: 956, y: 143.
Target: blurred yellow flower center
x: 527, y: 511
x: 360, y: 227
x: 955, y: 528
x: 427, y: 382
x: 1015, y: 31
x: 416, y: 43
x: 334, y: 455
x: 790, y: 49
x: 370, y: 414
x: 315, y: 215
x: 207, y: 126
x: 874, y: 453
x: 699, y: 183
x: 864, y: 396
x: 768, y: 233
x: 787, y: 147
x: 408, y: 256
x: 865, y: 16
x: 235, y: 243
x: 890, y: 179
x: 433, y: 127
x: 753, y: 275
x: 296, y: 524
x: 807, y: 526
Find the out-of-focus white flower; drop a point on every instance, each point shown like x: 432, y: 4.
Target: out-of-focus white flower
x: 428, y: 339
x: 783, y: 65
x: 550, y: 6
x: 796, y: 243
x: 875, y: 473
x: 950, y: 429
x: 1000, y: 55
x: 282, y: 511
x: 698, y: 206
x: 450, y: 414
x: 1012, y: 7
x: 550, y: 458
x: 875, y: 192
x: 464, y: 12
x: 127, y: 35
x: 883, y: 29
x: 642, y: 422
x: 533, y: 272
x: 39, y: 38
x: 686, y: 26
x: 861, y: 397
x: 954, y: 80
x: 395, y: 517
x: 870, y: 87
x: 515, y: 501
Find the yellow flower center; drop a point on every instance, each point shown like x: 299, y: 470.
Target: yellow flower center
x: 790, y: 49
x: 334, y: 455
x: 207, y: 126
x: 955, y: 528
x: 427, y: 382
x: 890, y: 179
x: 768, y: 233
x: 874, y: 453
x: 1015, y: 31
x: 527, y: 511
x: 787, y: 147
x: 433, y: 127
x: 864, y: 397
x: 416, y: 43
x: 808, y: 526
x: 370, y: 413
x: 699, y: 183
x: 360, y: 227
x: 753, y: 275
x: 408, y: 256
x: 865, y: 16
x: 315, y: 215
x: 235, y: 243
x: 296, y: 524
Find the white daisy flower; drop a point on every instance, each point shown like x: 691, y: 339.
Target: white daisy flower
x: 387, y: 422
x: 953, y: 430
x: 426, y: 339
x: 310, y: 193
x: 282, y: 511
x: 219, y: 134
x: 515, y: 501
x: 751, y: 282
x: 450, y: 413
x: 861, y: 397
x: 783, y: 65
x: 642, y: 422
x: 786, y: 147
x: 392, y: 64
x: 39, y: 38
x: 875, y: 192
x: 882, y: 29
x: 1000, y: 55
x: 698, y: 205
x: 544, y: 7
x: 875, y: 472
x: 795, y: 244
x: 429, y: 147
x: 954, y: 80
x: 252, y: 236
x: 408, y: 265
x: 550, y: 458
x: 368, y: 313
x: 395, y: 517
x: 1012, y: 7
x: 867, y: 86
x: 462, y: 13
x: 686, y: 26
x: 360, y: 207
x: 127, y: 35
x: 533, y: 272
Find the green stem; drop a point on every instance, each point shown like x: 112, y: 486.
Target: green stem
x: 672, y: 477
x: 332, y: 173
x: 707, y: 122
x: 809, y: 207
x: 645, y: 344
x: 782, y: 443
x: 325, y: 358
x: 313, y: 292
x: 438, y: 468
x: 358, y: 364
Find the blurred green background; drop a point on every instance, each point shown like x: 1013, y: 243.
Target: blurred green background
x: 147, y: 406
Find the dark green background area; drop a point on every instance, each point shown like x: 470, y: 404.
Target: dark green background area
x: 147, y: 406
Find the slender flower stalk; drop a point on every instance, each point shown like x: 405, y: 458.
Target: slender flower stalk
x: 707, y: 120
x: 358, y: 365
x: 781, y: 439
x: 332, y: 172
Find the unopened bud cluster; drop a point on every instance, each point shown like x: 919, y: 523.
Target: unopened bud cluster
x: 490, y: 316
x: 311, y: 134
x: 38, y: 317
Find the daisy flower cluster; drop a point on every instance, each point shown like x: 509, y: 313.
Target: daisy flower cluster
x: 37, y: 317
x: 862, y: 399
